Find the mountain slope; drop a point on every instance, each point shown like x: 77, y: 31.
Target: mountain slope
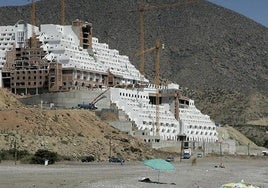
x: 207, y: 48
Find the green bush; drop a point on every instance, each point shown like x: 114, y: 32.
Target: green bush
x: 64, y: 158
x: 265, y: 143
x: 64, y: 142
x: 41, y: 155
x: 6, y: 155
x: 10, y: 154
x: 26, y: 159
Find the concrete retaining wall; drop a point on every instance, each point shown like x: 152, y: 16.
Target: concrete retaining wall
x: 68, y: 99
x: 123, y: 126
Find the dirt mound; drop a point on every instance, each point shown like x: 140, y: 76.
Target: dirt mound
x: 7, y: 101
x: 72, y: 133
x: 228, y: 132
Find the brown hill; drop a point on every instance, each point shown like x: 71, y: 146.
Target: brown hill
x: 72, y: 133
x: 8, y: 101
x: 207, y: 48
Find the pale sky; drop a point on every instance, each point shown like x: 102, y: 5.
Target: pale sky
x: 14, y: 2
x: 254, y: 9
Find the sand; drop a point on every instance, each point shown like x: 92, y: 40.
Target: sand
x: 106, y: 175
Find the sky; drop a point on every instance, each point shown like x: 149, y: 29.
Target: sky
x: 14, y: 2
x: 254, y: 9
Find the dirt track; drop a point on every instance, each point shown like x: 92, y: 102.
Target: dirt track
x: 70, y: 175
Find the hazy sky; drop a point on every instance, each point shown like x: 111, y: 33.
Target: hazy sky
x: 254, y: 9
x: 13, y: 2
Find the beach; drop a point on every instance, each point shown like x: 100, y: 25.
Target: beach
x: 206, y: 173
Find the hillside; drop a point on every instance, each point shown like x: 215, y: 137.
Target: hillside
x: 72, y: 133
x: 7, y: 101
x: 219, y: 57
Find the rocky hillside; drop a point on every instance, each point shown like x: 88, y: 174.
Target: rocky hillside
x: 218, y: 56
x: 68, y: 132
x: 8, y: 101
x: 232, y: 107
x: 258, y: 134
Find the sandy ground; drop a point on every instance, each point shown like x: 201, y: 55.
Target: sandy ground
x: 93, y: 175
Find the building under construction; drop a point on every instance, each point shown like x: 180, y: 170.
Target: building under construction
x: 59, y: 62
x: 59, y: 59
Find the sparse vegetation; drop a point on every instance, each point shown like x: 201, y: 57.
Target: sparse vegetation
x: 194, y: 162
x: 64, y: 142
x: 12, y: 153
x: 41, y: 155
x: 80, y: 134
x: 256, y: 133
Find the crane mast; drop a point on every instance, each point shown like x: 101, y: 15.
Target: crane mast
x: 62, y: 12
x: 33, y: 42
x: 142, y: 42
x: 141, y: 11
x: 157, y: 83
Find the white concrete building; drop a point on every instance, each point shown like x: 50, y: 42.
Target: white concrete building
x: 192, y: 123
x: 197, y: 126
x: 62, y: 44
x: 136, y: 104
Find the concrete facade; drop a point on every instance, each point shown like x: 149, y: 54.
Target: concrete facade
x: 138, y: 104
x: 124, y: 126
x: 69, y: 99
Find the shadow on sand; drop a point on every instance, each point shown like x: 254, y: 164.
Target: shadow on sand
x: 147, y: 180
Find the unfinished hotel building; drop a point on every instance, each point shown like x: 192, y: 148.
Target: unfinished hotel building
x: 63, y: 58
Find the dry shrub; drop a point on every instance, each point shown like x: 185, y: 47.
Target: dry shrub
x: 194, y: 161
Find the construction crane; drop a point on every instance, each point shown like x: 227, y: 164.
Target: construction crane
x: 157, y: 48
x: 33, y: 42
x: 62, y: 12
x: 157, y: 84
x: 142, y: 42
x: 141, y: 10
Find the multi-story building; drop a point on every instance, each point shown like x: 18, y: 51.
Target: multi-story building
x: 139, y: 105
x: 79, y: 60
x: 62, y: 58
x: 14, y: 37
